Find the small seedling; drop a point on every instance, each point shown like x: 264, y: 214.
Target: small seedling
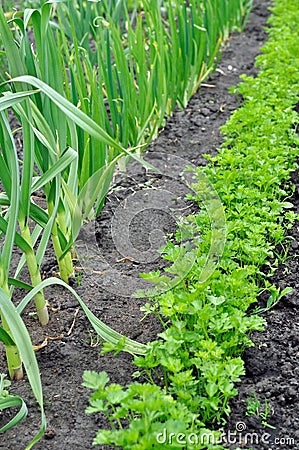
x: 275, y: 297
x: 254, y: 408
x: 78, y: 277
x: 93, y: 340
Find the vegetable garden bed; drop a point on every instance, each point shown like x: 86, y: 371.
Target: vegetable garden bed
x: 271, y: 369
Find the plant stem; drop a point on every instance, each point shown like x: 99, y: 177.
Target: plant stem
x: 65, y: 264
x: 14, y: 361
x: 63, y: 269
x: 40, y: 302
x: 67, y: 259
x: 13, y: 357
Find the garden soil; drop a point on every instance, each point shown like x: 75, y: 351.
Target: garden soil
x: 141, y: 209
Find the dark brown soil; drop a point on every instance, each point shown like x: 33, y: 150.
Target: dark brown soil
x: 140, y: 211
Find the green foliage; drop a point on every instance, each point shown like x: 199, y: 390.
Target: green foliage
x: 88, y: 113
x: 23, y: 344
x: 7, y: 401
x: 206, y: 323
x: 142, y: 60
x: 255, y: 408
x: 148, y: 410
x: 275, y: 296
x: 108, y: 73
x: 97, y: 107
x: 5, y: 337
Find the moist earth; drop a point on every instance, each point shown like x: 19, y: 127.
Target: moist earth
x: 141, y: 209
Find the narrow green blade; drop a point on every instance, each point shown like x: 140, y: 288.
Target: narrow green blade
x: 106, y: 333
x: 23, y: 342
